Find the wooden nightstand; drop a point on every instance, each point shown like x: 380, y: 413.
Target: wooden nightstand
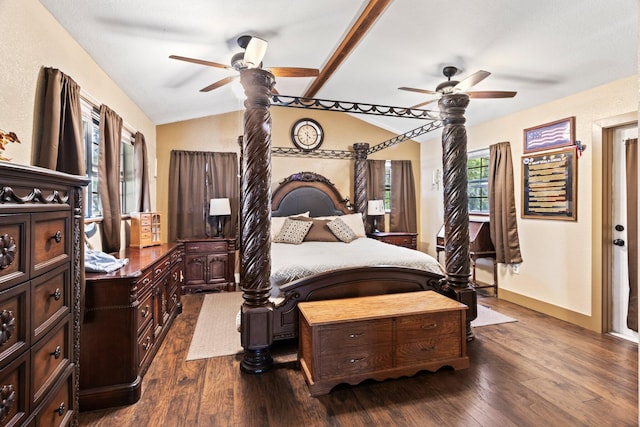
x: 209, y: 264
x: 398, y: 238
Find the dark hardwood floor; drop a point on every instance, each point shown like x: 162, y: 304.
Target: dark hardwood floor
x: 538, y: 371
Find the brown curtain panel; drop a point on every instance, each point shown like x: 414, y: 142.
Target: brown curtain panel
x: 502, y: 205
x: 109, y: 177
x: 375, y: 188
x: 403, y: 197
x: 143, y: 198
x: 632, y: 230
x: 195, y: 177
x: 61, y: 145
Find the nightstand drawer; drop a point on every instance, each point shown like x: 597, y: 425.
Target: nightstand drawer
x: 210, y: 247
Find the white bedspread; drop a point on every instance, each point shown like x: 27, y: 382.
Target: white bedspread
x: 291, y: 262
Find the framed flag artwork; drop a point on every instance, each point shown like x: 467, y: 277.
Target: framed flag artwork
x: 550, y: 136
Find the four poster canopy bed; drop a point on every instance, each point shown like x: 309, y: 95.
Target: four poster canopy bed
x: 269, y: 311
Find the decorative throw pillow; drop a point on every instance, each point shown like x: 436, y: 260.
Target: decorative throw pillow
x: 278, y: 221
x: 319, y: 232
x: 342, y: 230
x: 354, y: 221
x: 293, y: 231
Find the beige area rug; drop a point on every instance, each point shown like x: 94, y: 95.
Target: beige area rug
x: 487, y: 316
x: 216, y: 333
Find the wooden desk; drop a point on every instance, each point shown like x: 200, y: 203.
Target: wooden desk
x: 379, y: 337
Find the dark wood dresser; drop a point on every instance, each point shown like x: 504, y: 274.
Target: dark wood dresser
x: 209, y: 264
x: 128, y: 313
x: 41, y: 219
x: 379, y: 337
x: 398, y: 238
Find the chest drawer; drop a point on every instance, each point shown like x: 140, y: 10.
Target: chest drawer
x: 14, y: 391
x: 14, y: 249
x: 15, y: 332
x: 49, y: 358
x: 51, y: 246
x: 420, y: 327
x: 430, y: 349
x: 342, y: 338
x: 50, y: 300
x: 209, y: 247
x: 58, y: 409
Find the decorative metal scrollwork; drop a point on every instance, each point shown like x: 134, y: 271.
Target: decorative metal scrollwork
x: 7, y: 399
x: 7, y: 251
x: 7, y: 326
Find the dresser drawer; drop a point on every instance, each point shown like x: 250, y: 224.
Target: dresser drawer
x: 50, y: 300
x: 407, y: 241
x: 58, y: 409
x: 375, y: 358
x: 144, y: 312
x: 343, y: 338
x: 14, y: 249
x: 417, y: 328
x: 145, y: 345
x: 145, y: 281
x: 51, y: 246
x: 14, y: 391
x: 49, y: 358
x: 208, y: 247
x: 162, y: 267
x: 15, y: 335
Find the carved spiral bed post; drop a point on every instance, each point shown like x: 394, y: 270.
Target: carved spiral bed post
x: 456, y: 213
x: 255, y: 227
x: 360, y: 177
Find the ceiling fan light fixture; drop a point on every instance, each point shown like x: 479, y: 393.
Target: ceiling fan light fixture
x: 256, y: 49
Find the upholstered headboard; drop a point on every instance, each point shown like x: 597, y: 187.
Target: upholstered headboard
x: 307, y: 191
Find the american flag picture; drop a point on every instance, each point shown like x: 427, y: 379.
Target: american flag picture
x: 549, y: 136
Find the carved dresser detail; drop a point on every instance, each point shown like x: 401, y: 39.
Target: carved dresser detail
x: 41, y: 219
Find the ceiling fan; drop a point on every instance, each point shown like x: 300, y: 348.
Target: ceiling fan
x: 453, y: 86
x: 254, y: 50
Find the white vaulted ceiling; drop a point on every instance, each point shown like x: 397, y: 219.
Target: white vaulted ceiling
x: 543, y: 49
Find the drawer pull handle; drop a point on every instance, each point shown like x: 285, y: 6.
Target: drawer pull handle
x: 429, y: 326
x: 7, y: 326
x: 356, y: 335
x: 147, y: 345
x: 359, y: 359
x: 60, y: 409
x: 57, y: 237
x: 174, y: 297
x: 7, y: 399
x: 146, y: 280
x: 158, y: 270
x: 430, y: 348
x: 7, y: 251
x: 56, y: 294
x: 145, y: 312
x: 56, y: 353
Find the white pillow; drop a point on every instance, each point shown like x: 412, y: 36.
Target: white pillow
x: 278, y: 221
x: 354, y: 221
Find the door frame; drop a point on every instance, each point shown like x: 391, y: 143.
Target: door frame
x: 603, y: 134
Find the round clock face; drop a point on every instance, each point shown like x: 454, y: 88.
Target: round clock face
x: 307, y: 134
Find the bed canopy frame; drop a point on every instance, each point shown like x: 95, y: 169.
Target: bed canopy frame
x: 255, y: 258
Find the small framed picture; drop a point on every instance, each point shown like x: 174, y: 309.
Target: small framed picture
x: 550, y: 136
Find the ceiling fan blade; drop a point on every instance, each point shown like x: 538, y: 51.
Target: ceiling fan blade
x: 472, y: 80
x: 255, y: 51
x: 426, y: 91
x: 199, y: 61
x: 294, y: 72
x: 219, y: 83
x: 422, y: 104
x: 492, y: 94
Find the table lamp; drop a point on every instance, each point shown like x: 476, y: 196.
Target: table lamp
x: 217, y: 208
x: 375, y: 208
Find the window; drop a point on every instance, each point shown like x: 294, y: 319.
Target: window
x: 387, y: 185
x: 91, y: 131
x: 478, y: 181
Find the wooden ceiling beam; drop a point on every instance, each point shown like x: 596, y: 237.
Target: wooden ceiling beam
x: 366, y: 19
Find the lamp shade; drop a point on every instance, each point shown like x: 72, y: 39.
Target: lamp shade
x: 375, y: 207
x: 218, y: 207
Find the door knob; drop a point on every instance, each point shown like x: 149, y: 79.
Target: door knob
x: 618, y: 242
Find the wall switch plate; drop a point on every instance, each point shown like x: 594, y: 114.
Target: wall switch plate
x: 515, y: 268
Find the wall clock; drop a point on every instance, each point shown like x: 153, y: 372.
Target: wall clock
x: 307, y: 134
